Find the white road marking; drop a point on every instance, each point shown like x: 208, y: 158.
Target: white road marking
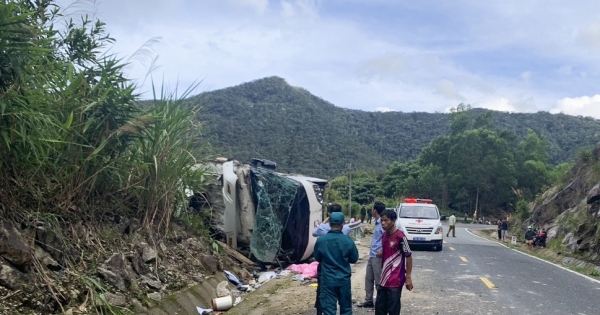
x: 548, y: 262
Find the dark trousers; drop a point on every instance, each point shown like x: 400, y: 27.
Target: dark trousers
x: 329, y: 297
x: 453, y: 229
x: 499, y: 234
x: 317, y: 302
x: 362, y: 218
x: 369, y: 220
x: 388, y: 301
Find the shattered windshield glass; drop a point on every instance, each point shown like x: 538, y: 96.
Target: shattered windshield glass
x: 274, y: 196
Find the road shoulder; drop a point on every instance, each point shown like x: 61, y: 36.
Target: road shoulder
x: 548, y: 255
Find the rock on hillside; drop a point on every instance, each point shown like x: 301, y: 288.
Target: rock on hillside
x: 571, y: 212
x: 49, y: 269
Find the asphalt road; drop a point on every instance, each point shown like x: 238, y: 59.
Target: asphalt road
x: 476, y: 276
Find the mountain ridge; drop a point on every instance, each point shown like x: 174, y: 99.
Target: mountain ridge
x: 268, y: 118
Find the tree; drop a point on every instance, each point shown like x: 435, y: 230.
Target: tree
x: 482, y: 164
x: 531, y: 164
x: 437, y: 154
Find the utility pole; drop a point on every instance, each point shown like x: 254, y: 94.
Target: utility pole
x: 350, y: 190
x: 476, y: 203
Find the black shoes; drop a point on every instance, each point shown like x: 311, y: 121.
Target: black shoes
x: 366, y: 304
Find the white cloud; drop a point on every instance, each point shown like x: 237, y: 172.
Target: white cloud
x: 498, y: 103
x: 565, y: 70
x: 383, y: 109
x: 357, y: 58
x: 447, y: 89
x: 526, y: 76
x: 589, y: 37
x: 388, y: 66
x: 258, y: 5
x: 307, y: 8
x: 584, y: 106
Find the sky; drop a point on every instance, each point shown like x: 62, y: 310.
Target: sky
x: 372, y: 55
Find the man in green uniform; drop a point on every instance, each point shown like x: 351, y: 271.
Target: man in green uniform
x: 335, y: 252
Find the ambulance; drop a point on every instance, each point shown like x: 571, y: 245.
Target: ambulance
x: 421, y: 222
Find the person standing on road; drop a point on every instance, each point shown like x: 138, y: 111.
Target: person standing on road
x: 452, y: 224
x: 335, y: 252
x: 320, y: 230
x: 373, y: 275
x: 499, y: 223
x: 397, y: 267
x: 504, y: 229
x: 363, y: 213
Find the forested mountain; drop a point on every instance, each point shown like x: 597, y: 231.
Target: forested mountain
x: 270, y: 119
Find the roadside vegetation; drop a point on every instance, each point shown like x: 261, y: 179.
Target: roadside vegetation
x: 78, y: 148
x: 75, y: 144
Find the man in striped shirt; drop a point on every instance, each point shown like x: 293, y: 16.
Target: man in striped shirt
x: 397, y: 267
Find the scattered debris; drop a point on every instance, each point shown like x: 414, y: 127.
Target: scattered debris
x: 223, y: 289
x: 203, y: 311
x: 306, y: 270
x: 266, y: 276
x: 235, y: 254
x: 233, y: 279
x: 222, y: 303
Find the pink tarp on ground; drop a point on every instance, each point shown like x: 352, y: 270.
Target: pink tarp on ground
x: 306, y: 270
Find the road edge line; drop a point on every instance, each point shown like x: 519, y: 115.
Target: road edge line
x: 540, y: 259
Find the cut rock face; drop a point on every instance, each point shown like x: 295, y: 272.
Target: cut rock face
x: 594, y: 194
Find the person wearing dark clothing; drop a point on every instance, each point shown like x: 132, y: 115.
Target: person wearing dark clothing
x: 529, y: 235
x: 504, y: 229
x: 499, y: 229
x: 540, y: 239
x: 321, y: 230
x: 317, y: 303
x: 370, y: 216
x: 363, y: 213
x: 335, y: 252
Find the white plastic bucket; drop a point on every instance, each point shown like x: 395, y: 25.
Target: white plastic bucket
x: 222, y: 303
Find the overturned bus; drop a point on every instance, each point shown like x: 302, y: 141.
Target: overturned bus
x: 270, y: 213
